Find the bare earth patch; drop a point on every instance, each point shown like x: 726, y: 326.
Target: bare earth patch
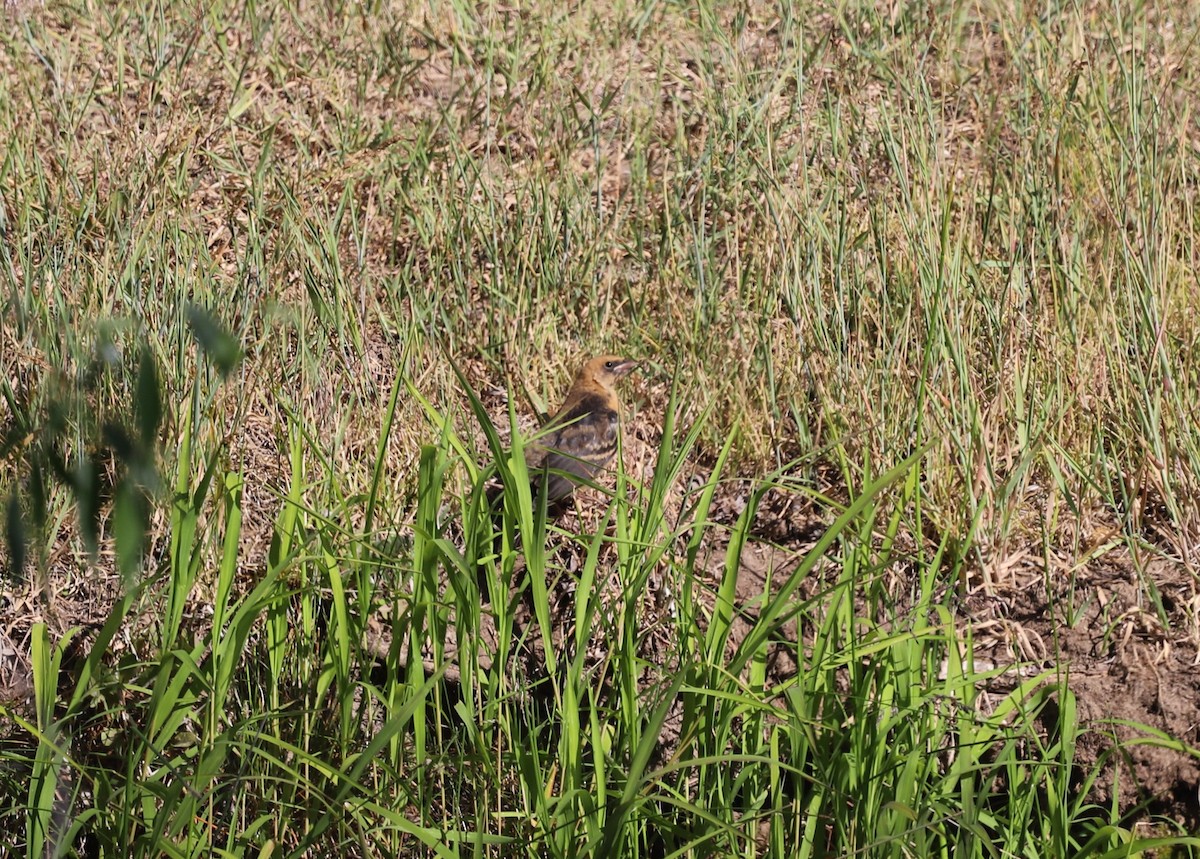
x: 1126, y: 667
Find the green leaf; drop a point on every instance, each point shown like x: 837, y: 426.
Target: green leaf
x: 14, y: 534
x: 129, y: 523
x: 148, y: 402
x: 38, y: 497
x: 121, y: 442
x: 217, y: 344
x: 85, y: 481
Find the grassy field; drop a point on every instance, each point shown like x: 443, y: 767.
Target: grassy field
x: 901, y: 559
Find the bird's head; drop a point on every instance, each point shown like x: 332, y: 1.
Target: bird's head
x: 604, y: 370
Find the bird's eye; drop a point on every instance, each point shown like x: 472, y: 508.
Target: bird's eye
x: 610, y: 364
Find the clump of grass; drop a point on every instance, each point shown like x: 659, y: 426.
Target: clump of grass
x: 880, y: 741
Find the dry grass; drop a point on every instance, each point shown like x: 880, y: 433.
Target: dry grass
x: 846, y: 229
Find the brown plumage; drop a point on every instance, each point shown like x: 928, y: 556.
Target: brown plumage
x: 581, y: 438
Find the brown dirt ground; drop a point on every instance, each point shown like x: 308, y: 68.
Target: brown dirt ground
x: 1125, y: 666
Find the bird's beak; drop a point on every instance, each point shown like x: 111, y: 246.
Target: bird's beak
x: 624, y: 367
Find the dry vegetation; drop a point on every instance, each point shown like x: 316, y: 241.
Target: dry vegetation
x: 846, y: 232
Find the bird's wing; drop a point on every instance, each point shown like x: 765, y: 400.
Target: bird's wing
x: 583, y: 438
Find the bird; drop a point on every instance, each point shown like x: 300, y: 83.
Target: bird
x: 581, y: 437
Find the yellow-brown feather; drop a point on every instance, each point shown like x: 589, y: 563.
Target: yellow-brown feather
x: 581, y: 437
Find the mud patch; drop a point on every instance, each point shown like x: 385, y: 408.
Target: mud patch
x: 1121, y: 634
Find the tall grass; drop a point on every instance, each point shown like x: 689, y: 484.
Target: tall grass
x: 929, y: 269
x: 272, y: 728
